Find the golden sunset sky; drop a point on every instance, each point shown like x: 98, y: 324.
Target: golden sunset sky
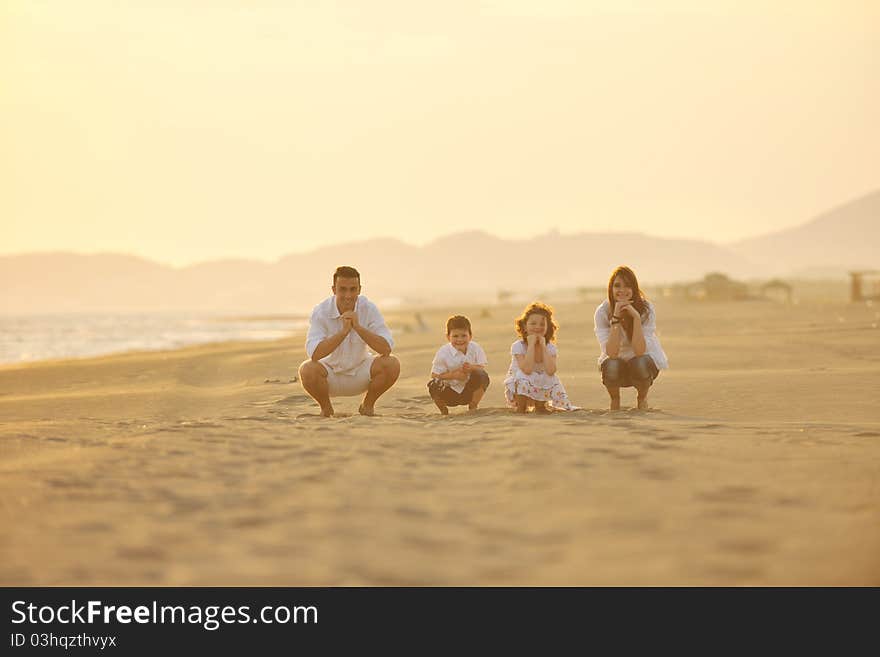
x: 190, y: 130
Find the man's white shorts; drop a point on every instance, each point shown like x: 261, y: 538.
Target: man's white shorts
x: 353, y: 382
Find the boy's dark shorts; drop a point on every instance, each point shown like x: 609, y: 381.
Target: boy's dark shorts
x: 619, y: 373
x: 438, y: 391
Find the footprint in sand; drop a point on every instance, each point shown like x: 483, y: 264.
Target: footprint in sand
x: 627, y: 457
x: 145, y: 553
x: 656, y: 474
x: 733, y: 572
x: 253, y: 418
x: 94, y: 527
x: 200, y: 424
x: 245, y: 522
x: 294, y: 399
x: 746, y: 546
x: 658, y: 446
x: 420, y: 416
x: 729, y: 495
x: 790, y: 502
x: 69, y: 483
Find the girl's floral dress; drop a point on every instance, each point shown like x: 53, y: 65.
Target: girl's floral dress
x: 538, y: 385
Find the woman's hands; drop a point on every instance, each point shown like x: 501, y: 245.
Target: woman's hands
x: 637, y: 339
x: 621, y: 307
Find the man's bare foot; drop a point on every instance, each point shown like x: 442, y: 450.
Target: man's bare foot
x: 327, y: 411
x: 615, y: 403
x: 444, y: 409
x: 366, y: 410
x: 472, y: 406
x: 643, y: 404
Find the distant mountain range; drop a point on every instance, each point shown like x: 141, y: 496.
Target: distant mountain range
x: 844, y: 238
x: 475, y: 263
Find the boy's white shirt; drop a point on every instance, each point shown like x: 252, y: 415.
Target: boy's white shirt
x: 449, y: 358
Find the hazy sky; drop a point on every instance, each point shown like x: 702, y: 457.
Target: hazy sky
x: 186, y: 130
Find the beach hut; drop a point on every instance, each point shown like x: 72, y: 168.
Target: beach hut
x: 777, y: 290
x: 865, y: 285
x: 717, y: 287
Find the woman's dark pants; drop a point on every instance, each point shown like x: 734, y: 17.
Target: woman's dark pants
x: 638, y: 372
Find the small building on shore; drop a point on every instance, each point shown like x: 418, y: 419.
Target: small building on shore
x: 864, y: 285
x: 777, y: 290
x: 716, y: 287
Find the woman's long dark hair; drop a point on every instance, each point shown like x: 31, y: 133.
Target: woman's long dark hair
x: 639, y: 301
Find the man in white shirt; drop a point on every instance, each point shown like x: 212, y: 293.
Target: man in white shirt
x: 342, y: 330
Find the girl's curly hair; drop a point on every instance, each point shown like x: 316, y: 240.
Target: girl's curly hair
x: 540, y: 309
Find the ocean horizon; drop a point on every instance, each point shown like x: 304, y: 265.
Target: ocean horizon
x: 39, y: 337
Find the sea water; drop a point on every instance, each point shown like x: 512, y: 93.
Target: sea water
x: 26, y: 338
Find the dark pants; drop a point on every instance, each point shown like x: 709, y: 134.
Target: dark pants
x: 478, y: 379
x: 638, y: 372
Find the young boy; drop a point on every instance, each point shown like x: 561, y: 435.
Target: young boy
x: 458, y: 374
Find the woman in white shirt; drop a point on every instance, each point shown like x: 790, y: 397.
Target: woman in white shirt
x: 630, y: 354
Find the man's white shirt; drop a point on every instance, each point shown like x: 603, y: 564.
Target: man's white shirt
x: 326, y: 321
x: 449, y: 358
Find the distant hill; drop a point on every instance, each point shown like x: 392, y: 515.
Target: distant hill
x: 843, y: 238
x: 472, y: 264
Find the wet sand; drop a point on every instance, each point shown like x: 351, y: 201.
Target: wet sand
x: 759, y: 464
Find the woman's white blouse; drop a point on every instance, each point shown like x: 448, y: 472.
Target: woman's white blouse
x: 602, y: 322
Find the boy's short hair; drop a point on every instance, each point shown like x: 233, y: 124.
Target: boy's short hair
x: 458, y: 322
x: 346, y: 272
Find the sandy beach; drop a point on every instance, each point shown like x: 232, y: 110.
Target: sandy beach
x: 758, y: 464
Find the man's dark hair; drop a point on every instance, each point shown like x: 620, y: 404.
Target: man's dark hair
x: 346, y: 272
x: 458, y: 322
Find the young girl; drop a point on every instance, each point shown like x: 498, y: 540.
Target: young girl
x: 630, y: 354
x: 531, y: 379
